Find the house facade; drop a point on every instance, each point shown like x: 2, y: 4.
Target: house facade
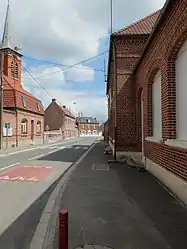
x: 157, y: 98
x: 59, y: 118
x: 23, y: 114
x: 88, y: 126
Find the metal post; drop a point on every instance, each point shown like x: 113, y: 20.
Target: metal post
x: 1, y: 101
x: 63, y: 230
x: 114, y: 78
x: 115, y: 99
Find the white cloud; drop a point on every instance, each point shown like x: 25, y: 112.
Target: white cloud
x: 67, y: 32
x: 56, y: 87
x: 69, y: 29
x: 80, y: 74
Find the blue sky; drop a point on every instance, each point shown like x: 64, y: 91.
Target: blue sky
x: 68, y: 32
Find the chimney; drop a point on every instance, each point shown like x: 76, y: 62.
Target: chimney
x: 53, y: 100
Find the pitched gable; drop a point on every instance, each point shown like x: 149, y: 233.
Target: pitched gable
x: 143, y: 26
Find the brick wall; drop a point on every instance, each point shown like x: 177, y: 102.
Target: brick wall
x: 56, y: 119
x: 22, y: 139
x: 161, y: 55
x: 53, y: 117
x: 33, y: 134
x: 70, y: 129
x: 128, y: 50
x: 84, y: 128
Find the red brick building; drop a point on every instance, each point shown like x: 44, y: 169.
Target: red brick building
x: 60, y: 118
x: 151, y: 102
x: 88, y: 126
x: 23, y: 114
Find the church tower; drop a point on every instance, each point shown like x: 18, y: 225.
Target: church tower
x: 12, y: 58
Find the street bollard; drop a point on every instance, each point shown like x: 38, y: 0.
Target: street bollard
x: 63, y: 229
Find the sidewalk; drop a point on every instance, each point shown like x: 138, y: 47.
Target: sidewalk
x: 121, y: 208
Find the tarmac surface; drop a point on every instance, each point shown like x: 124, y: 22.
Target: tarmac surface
x: 118, y: 207
x: 26, y: 180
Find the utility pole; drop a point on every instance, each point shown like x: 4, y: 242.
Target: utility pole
x: 114, y: 77
x: 1, y: 98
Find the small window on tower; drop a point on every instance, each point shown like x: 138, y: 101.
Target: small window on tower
x: 16, y: 70
x: 23, y: 101
x: 12, y: 70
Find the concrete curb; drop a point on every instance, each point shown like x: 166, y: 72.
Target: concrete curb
x: 13, y: 236
x: 46, y: 229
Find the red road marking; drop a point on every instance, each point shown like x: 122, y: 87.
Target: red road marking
x: 27, y: 173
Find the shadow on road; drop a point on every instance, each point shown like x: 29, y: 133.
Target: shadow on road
x: 71, y: 154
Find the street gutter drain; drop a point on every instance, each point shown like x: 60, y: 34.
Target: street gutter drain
x: 100, y: 167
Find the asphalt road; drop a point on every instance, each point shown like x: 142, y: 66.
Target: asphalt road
x: 17, y: 235
x: 69, y: 151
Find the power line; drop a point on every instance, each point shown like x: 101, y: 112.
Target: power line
x: 74, y: 65
x: 61, y: 65
x: 36, y: 81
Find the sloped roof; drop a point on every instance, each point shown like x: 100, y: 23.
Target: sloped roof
x: 86, y: 120
x: 143, y: 26
x: 12, y: 98
x: 67, y: 112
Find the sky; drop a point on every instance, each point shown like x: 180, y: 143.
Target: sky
x: 55, y: 34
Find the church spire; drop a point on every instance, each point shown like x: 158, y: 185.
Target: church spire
x: 6, y: 40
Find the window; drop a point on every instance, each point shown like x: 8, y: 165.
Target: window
x: 23, y: 101
x: 38, y: 107
x: 24, y: 126
x: 157, y: 106
x: 16, y: 70
x: 7, y: 130
x: 181, y: 110
x: 38, y: 127
x: 12, y: 70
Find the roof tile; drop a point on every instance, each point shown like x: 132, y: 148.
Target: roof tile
x: 12, y: 98
x: 143, y: 26
x: 67, y: 112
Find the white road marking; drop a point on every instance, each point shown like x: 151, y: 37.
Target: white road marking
x: 35, y: 157
x: 36, y: 148
x: 53, y: 151
x: 9, y: 166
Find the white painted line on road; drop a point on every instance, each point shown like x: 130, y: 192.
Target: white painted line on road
x: 35, y: 157
x: 53, y: 151
x: 77, y: 148
x: 9, y: 166
x: 38, y: 147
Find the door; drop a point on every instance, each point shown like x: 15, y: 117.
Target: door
x: 142, y: 125
x: 32, y: 130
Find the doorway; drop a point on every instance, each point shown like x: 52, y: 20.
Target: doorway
x: 142, y: 126
x: 32, y: 130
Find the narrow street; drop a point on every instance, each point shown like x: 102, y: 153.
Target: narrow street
x: 121, y: 208
x: 26, y: 186
x: 9, y: 159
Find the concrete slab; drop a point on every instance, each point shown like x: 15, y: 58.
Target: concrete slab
x: 17, y: 193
